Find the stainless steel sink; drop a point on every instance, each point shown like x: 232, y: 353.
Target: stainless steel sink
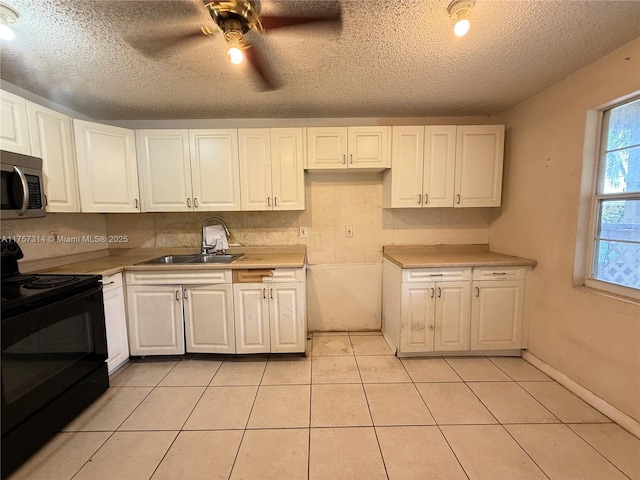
x: 194, y: 258
x: 169, y: 259
x: 212, y: 258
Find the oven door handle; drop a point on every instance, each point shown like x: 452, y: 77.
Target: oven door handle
x: 25, y: 192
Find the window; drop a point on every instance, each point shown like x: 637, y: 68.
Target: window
x: 615, y: 250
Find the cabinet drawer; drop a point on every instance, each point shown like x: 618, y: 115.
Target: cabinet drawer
x: 202, y: 277
x: 111, y: 282
x: 414, y: 275
x: 261, y: 275
x: 499, y: 273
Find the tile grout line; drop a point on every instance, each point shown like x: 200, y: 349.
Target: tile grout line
x: 437, y: 425
x: 366, y: 399
x: 310, y: 403
x: 244, y: 430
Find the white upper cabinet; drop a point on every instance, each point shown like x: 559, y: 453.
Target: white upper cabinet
x: 423, y: 163
x: 439, y: 166
x: 402, y: 185
x: 52, y: 140
x: 14, y: 127
x: 214, y: 170
x: 164, y: 166
x: 107, y: 171
x: 254, y: 150
x: 445, y: 166
x: 271, y: 168
x: 287, y: 168
x: 479, y: 158
x: 331, y: 148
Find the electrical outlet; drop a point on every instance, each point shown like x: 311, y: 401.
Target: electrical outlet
x: 348, y: 231
x: 304, y: 233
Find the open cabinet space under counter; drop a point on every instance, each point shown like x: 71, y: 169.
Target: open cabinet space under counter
x: 453, y: 299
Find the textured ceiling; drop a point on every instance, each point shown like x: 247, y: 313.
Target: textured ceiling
x: 391, y: 58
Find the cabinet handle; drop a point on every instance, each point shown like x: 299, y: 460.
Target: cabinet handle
x: 46, y: 201
x: 195, y: 202
x: 178, y: 295
x: 136, y: 202
x: 419, y: 199
x: 499, y: 273
x: 188, y: 202
x: 271, y: 293
x: 108, y: 283
x: 268, y: 201
x: 458, y: 199
x: 185, y: 294
x: 344, y: 159
x: 351, y: 158
x: 439, y: 292
x: 431, y: 327
x: 477, y: 292
x: 275, y: 201
x: 264, y: 293
x: 435, y: 274
x: 433, y: 292
x: 426, y: 198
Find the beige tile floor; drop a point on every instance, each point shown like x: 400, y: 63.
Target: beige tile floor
x: 350, y: 410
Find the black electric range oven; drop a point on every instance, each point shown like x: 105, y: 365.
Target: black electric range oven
x: 53, y: 354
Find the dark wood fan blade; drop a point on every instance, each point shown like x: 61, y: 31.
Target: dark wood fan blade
x: 269, y: 82
x: 271, y: 22
x: 155, y: 46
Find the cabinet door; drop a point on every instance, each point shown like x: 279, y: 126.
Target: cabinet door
x: 165, y: 170
x: 116, y: 325
x: 52, y: 140
x: 439, y: 165
x: 155, y: 320
x: 417, y: 322
x: 479, y: 156
x: 496, y: 315
x: 14, y: 126
x: 368, y: 147
x: 452, y: 316
x: 251, y: 318
x: 404, y: 181
x: 254, y: 149
x: 287, y: 318
x: 287, y: 168
x: 107, y: 171
x: 208, y: 319
x: 327, y: 148
x: 214, y: 170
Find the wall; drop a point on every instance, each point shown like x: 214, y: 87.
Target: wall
x: 343, y: 285
x: 38, y: 243
x: 592, y: 338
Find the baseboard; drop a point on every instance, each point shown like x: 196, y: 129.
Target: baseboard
x: 621, y: 418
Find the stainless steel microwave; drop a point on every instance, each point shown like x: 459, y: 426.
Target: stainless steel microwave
x: 22, y: 188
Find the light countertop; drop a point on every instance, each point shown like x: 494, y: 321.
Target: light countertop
x: 438, y: 256
x: 118, y: 261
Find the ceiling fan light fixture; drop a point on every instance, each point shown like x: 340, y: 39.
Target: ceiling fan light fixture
x: 8, y: 17
x: 235, y: 55
x: 459, y: 12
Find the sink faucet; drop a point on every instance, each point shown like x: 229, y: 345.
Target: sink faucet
x: 206, y: 248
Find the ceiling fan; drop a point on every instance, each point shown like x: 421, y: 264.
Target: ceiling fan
x: 240, y: 22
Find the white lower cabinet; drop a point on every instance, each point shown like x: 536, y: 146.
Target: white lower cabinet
x: 155, y: 320
x: 270, y: 317
x: 208, y: 319
x: 116, y: 321
x: 496, y: 319
x: 171, y: 312
x: 430, y: 310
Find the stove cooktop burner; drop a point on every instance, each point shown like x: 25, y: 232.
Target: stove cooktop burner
x: 18, y: 279
x: 50, y: 282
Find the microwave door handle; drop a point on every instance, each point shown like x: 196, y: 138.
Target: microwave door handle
x: 25, y: 192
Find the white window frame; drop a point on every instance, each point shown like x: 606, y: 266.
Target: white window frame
x: 595, y: 151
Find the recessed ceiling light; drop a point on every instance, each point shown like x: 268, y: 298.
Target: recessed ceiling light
x: 8, y: 17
